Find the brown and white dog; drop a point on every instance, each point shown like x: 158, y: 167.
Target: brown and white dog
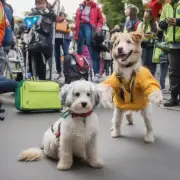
x: 140, y: 89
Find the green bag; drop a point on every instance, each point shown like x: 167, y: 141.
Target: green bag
x: 156, y: 55
x: 37, y: 96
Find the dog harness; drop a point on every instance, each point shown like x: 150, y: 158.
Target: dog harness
x: 65, y: 114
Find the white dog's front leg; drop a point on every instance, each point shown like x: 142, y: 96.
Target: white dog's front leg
x: 106, y: 96
x: 116, y: 122
x: 156, y: 97
x: 92, y: 154
x: 147, y: 115
x: 65, y: 154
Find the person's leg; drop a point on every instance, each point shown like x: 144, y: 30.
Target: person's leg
x: 65, y: 46
x: 150, y: 65
x: 2, y: 61
x: 144, y: 56
x: 93, y: 59
x: 163, y: 75
x: 101, y: 66
x: 88, y: 38
x: 7, y: 85
x: 80, y: 42
x: 58, y: 42
x: 96, y: 64
x: 41, y: 66
x: 152, y: 68
x: 174, y: 77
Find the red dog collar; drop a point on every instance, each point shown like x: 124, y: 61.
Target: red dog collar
x: 83, y: 115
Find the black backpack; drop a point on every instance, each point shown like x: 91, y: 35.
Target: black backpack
x: 76, y: 67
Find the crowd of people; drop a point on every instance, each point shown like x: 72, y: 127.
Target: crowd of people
x: 90, y: 24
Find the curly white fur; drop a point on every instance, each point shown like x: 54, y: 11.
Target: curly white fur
x: 78, y: 135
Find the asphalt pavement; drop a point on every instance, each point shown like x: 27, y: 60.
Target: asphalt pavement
x: 126, y: 158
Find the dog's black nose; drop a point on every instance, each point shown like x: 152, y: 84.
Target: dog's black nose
x: 120, y: 50
x: 84, y: 104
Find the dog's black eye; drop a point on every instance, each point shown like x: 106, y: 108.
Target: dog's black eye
x: 77, y: 94
x: 128, y: 41
x: 88, y: 94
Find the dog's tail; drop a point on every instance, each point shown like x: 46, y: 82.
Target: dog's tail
x: 31, y: 154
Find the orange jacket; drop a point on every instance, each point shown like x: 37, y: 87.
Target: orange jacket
x: 2, y: 23
x: 136, y: 92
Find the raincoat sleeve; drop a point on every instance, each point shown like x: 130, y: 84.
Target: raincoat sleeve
x: 162, y: 22
x: 111, y: 81
x: 149, y: 83
x: 100, y: 19
x: 2, y: 24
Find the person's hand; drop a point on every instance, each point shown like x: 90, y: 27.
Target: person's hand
x: 98, y: 29
x: 59, y: 19
x: 171, y: 21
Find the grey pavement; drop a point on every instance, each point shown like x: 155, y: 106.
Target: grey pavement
x: 126, y: 158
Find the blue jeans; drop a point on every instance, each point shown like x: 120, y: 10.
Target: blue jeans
x: 65, y: 47
x: 164, y: 72
x: 96, y: 61
x: 85, y: 33
x: 7, y: 85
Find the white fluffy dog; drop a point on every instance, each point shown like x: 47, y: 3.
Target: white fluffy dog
x: 75, y: 133
x: 132, y: 87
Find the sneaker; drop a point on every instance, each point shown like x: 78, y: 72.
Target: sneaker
x: 171, y: 102
x: 96, y: 78
x: 59, y: 79
x: 165, y: 91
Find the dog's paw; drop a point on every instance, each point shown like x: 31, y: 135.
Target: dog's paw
x: 107, y: 104
x: 115, y: 133
x: 149, y: 138
x: 63, y: 166
x: 156, y: 98
x: 96, y: 164
x: 106, y: 96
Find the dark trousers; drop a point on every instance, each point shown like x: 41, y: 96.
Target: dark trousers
x: 96, y: 61
x: 58, y: 45
x: 39, y: 64
x: 147, y: 54
x: 174, y: 72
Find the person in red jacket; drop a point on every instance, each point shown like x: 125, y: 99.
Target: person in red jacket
x: 88, y: 20
x: 2, y: 33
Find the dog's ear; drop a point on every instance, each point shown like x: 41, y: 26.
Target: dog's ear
x: 114, y: 38
x: 97, y: 96
x: 137, y: 37
x: 63, y: 94
x: 95, y: 93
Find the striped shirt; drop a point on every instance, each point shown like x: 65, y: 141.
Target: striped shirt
x: 85, y: 16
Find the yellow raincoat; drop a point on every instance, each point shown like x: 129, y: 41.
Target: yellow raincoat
x: 134, y: 94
